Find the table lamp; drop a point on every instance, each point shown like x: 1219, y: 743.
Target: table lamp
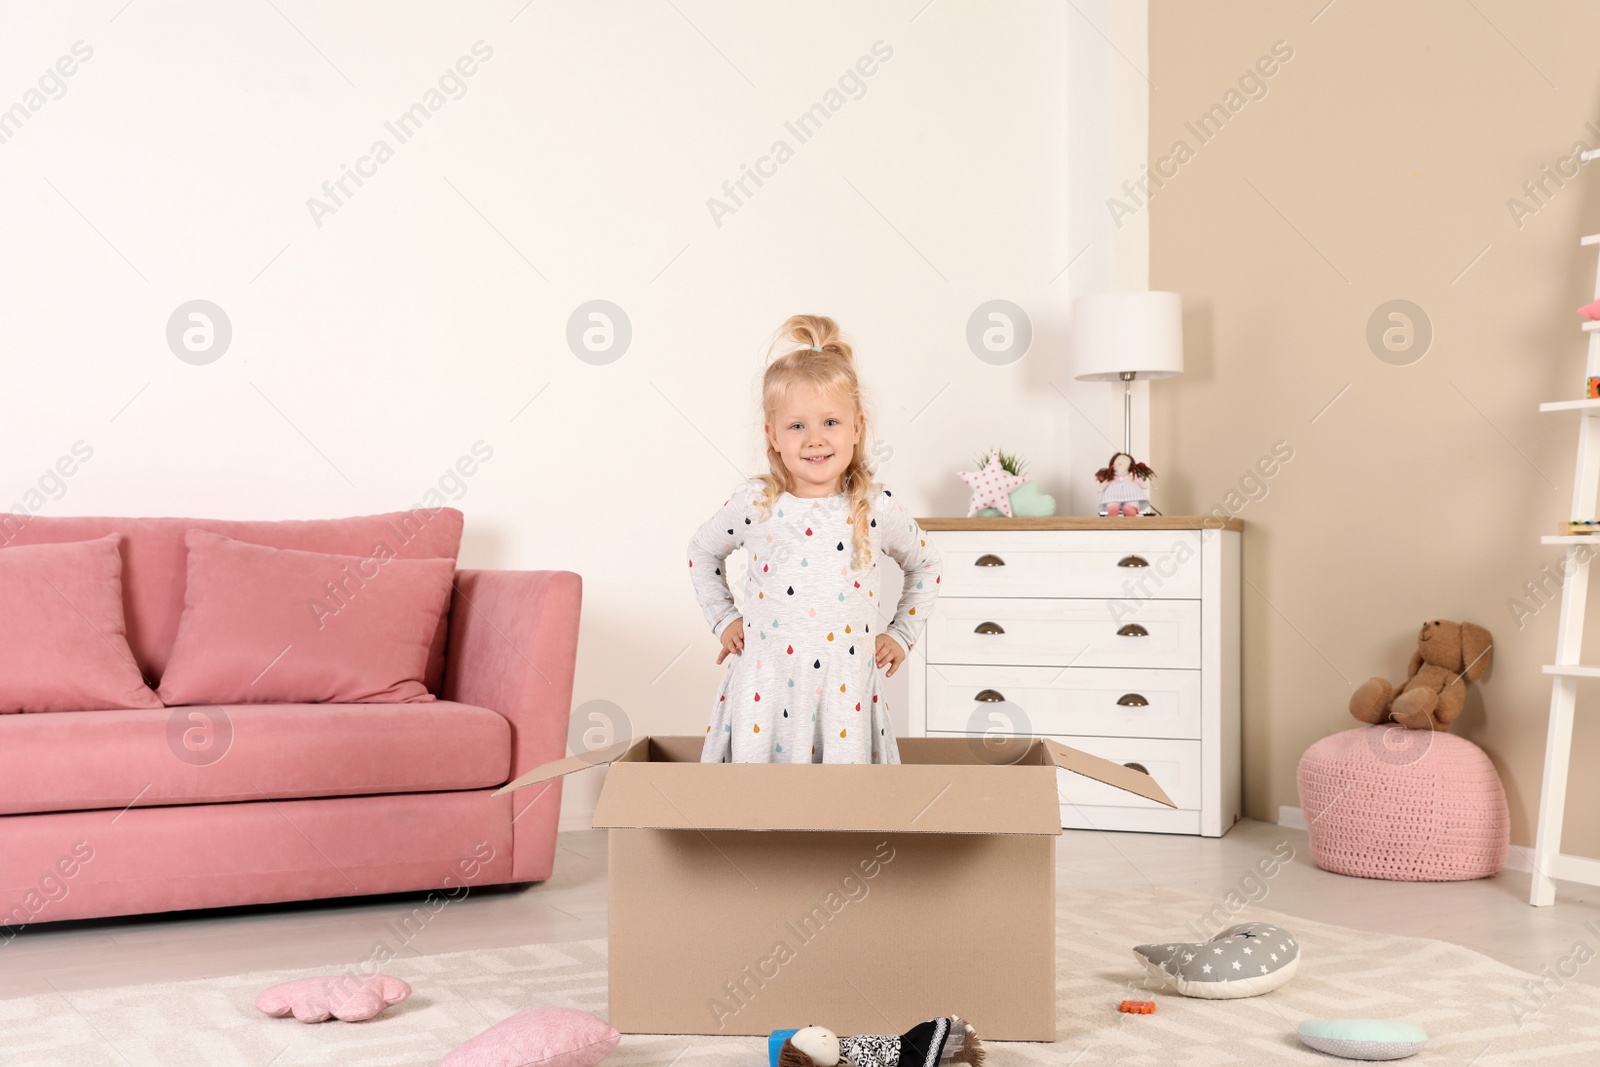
x: 1123, y: 336
x: 1120, y: 337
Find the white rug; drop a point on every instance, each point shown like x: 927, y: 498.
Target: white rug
x: 1463, y: 999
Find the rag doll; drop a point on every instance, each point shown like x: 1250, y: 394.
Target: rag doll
x: 1124, y: 486
x: 946, y: 1040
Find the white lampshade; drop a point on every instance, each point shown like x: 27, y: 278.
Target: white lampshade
x: 1113, y: 334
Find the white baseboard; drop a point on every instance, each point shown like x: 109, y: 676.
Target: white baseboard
x: 1581, y: 869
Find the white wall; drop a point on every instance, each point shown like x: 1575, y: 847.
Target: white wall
x: 371, y: 350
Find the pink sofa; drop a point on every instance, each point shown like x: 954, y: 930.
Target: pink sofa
x: 100, y: 813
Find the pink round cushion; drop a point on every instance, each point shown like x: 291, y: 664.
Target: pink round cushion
x: 539, y: 1037
x: 1405, y: 805
x: 345, y: 997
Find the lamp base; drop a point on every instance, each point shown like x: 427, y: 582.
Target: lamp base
x: 1127, y: 411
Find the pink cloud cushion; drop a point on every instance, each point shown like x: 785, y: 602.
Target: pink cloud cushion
x: 539, y: 1037
x: 63, y: 643
x: 278, y: 625
x: 346, y: 997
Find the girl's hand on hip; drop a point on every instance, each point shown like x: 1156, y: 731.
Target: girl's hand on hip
x: 732, y: 639
x: 889, y: 652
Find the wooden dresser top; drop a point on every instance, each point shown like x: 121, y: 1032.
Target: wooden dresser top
x: 1083, y: 522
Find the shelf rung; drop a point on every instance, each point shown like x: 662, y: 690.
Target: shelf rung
x: 1573, y: 539
x: 1571, y: 405
x: 1591, y: 325
x: 1592, y: 239
x: 1572, y: 670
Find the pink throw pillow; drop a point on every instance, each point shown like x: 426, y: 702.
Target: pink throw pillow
x: 282, y: 626
x: 539, y: 1037
x: 63, y: 643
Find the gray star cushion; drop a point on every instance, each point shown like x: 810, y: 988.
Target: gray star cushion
x: 1241, y: 961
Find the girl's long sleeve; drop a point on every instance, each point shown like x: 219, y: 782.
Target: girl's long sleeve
x: 907, y: 544
x: 709, y: 549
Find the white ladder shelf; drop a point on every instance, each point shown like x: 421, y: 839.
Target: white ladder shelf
x: 1568, y: 671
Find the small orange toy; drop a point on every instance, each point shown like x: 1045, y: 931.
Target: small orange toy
x: 1138, y: 1007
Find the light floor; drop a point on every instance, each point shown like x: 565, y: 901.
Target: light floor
x: 1491, y: 915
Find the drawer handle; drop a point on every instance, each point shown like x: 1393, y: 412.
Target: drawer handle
x: 1133, y: 629
x: 989, y: 696
x: 1137, y: 767
x: 1132, y: 700
x: 988, y: 628
x: 988, y: 559
x: 1133, y: 561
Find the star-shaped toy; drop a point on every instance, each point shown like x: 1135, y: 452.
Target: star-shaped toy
x: 991, y: 486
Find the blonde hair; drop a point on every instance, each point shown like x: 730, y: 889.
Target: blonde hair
x: 821, y: 358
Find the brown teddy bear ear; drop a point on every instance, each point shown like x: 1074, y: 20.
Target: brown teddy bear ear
x: 1476, y: 650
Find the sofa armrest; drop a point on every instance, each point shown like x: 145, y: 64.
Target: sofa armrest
x: 513, y: 647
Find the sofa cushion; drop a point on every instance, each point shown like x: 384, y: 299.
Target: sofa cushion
x: 66, y: 761
x: 278, y: 625
x: 154, y: 560
x: 62, y: 641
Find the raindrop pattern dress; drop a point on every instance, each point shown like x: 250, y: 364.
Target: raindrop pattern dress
x: 807, y: 687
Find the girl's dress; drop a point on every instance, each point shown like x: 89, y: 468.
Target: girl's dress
x: 807, y: 688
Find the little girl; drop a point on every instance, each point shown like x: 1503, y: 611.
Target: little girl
x: 803, y: 686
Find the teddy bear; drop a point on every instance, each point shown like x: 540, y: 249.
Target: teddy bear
x: 1448, y: 655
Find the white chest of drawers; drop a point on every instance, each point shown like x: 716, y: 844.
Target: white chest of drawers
x: 1119, y: 637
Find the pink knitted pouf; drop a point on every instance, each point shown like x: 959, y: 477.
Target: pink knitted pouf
x: 1406, y: 805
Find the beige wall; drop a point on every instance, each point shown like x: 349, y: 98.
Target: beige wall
x: 1377, y: 166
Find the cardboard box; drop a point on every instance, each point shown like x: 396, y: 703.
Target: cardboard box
x: 746, y: 898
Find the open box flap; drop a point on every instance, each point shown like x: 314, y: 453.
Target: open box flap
x: 561, y: 767
x: 1107, y: 771
x: 657, y: 783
